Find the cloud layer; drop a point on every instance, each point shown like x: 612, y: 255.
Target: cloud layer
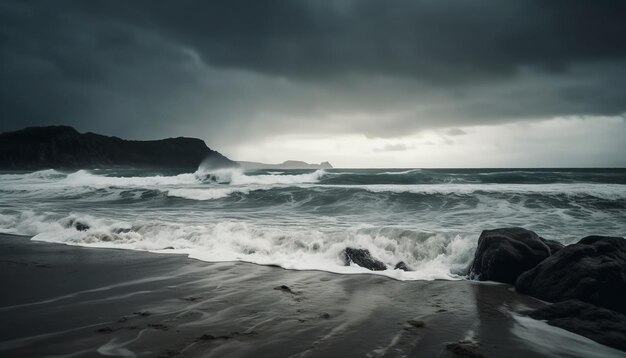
x: 236, y: 72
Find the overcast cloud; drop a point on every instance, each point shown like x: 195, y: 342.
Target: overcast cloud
x: 373, y: 75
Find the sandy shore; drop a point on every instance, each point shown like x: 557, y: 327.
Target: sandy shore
x: 67, y: 301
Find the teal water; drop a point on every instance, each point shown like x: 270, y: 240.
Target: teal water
x: 302, y: 219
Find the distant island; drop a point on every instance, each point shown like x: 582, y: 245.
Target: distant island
x: 289, y: 164
x: 63, y: 147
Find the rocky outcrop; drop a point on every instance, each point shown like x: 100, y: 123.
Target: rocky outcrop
x: 587, y: 280
x: 504, y: 254
x: 592, y: 270
x: 599, y: 324
x: 63, y: 147
x: 363, y: 258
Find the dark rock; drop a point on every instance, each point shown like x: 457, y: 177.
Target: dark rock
x: 81, y: 226
x: 191, y: 298
x: 463, y: 349
x: 362, y: 258
x: 121, y: 230
x: 325, y: 316
x: 206, y: 337
x: 284, y: 288
x: 78, y: 225
x: 401, y: 266
x: 503, y: 254
x: 142, y: 313
x: 599, y: 324
x: 105, y: 330
x: 592, y: 270
x: 237, y: 335
x: 554, y: 246
x: 64, y: 147
x: 168, y: 248
x: 159, y: 326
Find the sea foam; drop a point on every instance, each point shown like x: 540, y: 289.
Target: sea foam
x: 430, y: 255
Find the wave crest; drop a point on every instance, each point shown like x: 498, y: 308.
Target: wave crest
x: 238, y: 177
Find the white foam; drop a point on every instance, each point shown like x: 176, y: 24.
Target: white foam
x: 603, y: 191
x: 41, y: 174
x: 206, y: 194
x: 431, y: 256
x: 440, y: 243
x: 401, y: 172
x: 237, y: 177
x: 200, y: 185
x: 85, y: 178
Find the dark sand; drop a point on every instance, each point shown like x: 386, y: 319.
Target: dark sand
x: 66, y: 301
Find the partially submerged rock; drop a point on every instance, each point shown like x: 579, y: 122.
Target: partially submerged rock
x: 599, y: 324
x: 592, y: 270
x: 401, y: 266
x: 81, y: 226
x: 503, y: 254
x: 363, y: 258
x: 78, y: 225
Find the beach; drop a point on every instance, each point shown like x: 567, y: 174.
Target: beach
x: 69, y: 301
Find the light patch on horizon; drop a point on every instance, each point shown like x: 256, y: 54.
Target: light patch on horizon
x: 557, y: 142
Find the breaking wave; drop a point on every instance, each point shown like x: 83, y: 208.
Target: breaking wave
x: 429, y: 255
x: 303, y: 219
x: 238, y: 177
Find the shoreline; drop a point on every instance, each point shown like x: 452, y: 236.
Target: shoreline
x: 129, y: 303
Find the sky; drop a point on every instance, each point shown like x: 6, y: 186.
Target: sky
x: 368, y: 83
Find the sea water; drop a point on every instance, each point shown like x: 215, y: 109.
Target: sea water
x: 302, y: 219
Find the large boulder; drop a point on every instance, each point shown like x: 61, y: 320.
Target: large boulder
x: 592, y: 270
x: 363, y: 258
x: 554, y: 246
x: 599, y: 324
x: 504, y: 254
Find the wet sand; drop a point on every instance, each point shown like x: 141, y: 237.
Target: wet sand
x: 67, y: 301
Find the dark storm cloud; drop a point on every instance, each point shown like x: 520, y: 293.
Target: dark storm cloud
x: 232, y: 70
x: 440, y: 41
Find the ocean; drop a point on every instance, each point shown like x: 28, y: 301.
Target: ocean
x: 302, y: 219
